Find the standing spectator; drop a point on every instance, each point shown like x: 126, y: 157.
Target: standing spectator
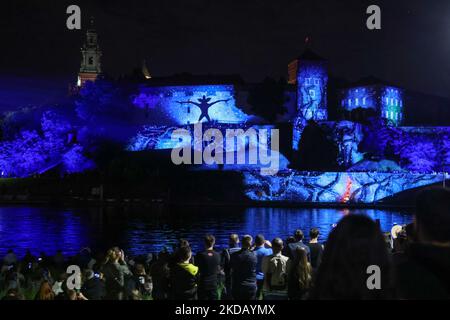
x: 208, y: 263
x: 275, y: 273
x: 142, y: 281
x: 298, y: 236
x: 93, y: 287
x: 315, y: 248
x: 183, y: 276
x: 10, y: 258
x: 353, y: 245
x: 159, y: 272
x: 425, y: 273
x: 116, y: 272
x: 261, y: 251
x: 233, y: 244
x: 243, y: 271
x: 299, y: 276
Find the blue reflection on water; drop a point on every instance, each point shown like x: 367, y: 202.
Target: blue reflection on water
x: 142, y: 231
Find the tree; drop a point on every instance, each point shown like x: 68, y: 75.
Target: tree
x: 267, y: 99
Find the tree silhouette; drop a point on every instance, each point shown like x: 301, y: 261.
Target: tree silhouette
x: 267, y: 99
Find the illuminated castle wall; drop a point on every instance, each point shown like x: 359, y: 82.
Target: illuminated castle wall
x: 340, y: 187
x: 386, y: 101
x: 184, y: 105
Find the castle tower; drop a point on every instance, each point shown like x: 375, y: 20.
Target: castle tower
x: 309, y: 73
x: 90, y: 63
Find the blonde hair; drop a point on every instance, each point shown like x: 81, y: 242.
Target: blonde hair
x: 303, y: 269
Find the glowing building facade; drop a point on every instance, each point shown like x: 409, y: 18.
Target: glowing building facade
x: 309, y: 73
x: 385, y: 100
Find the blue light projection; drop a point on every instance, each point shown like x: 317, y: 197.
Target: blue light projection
x: 347, y: 135
x: 153, y: 138
x: 312, y: 82
x: 328, y: 187
x: 385, y: 100
x: 360, y: 97
x: 392, y: 105
x: 184, y: 105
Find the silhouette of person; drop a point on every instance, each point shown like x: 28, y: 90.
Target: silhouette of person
x: 204, y: 105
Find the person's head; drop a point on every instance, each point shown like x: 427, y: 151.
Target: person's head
x: 183, y: 243
x: 13, y: 294
x: 314, y: 233
x: 277, y: 245
x: 259, y: 240
x: 233, y: 240
x: 298, y: 235
x: 432, y: 217
x: 113, y: 254
x: 184, y: 254
x: 353, y: 245
x: 247, y: 241
x: 139, y: 269
x: 45, y: 291
x: 209, y: 241
x: 290, y: 239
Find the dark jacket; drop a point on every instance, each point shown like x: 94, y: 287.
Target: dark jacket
x: 299, y: 244
x: 243, y: 268
x: 424, y: 273
x: 94, y: 289
x: 183, y: 281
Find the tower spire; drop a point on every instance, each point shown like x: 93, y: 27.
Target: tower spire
x: 90, y: 64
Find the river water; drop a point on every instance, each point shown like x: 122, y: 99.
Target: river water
x: 140, y: 231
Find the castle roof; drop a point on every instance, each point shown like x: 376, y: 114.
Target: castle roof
x: 309, y: 54
x: 371, y: 81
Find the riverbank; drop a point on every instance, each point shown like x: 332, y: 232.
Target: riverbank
x: 199, y: 189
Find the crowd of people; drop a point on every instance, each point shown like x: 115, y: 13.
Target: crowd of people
x: 413, y: 263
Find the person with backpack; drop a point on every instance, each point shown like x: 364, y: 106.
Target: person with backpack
x: 275, y: 272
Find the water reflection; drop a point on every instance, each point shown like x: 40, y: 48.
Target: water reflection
x: 140, y: 231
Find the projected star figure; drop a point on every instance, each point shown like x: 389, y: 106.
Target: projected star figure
x: 204, y: 105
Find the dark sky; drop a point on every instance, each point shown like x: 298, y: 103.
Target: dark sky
x: 254, y: 38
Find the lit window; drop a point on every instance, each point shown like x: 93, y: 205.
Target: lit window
x: 312, y: 93
x: 364, y: 101
x: 308, y: 81
x: 316, y: 81
x: 356, y: 101
x: 396, y: 102
x: 387, y: 100
x: 387, y: 114
x: 392, y: 115
x: 392, y: 101
x: 401, y: 103
x: 349, y: 102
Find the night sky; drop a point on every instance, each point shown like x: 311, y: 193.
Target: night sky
x: 254, y: 38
